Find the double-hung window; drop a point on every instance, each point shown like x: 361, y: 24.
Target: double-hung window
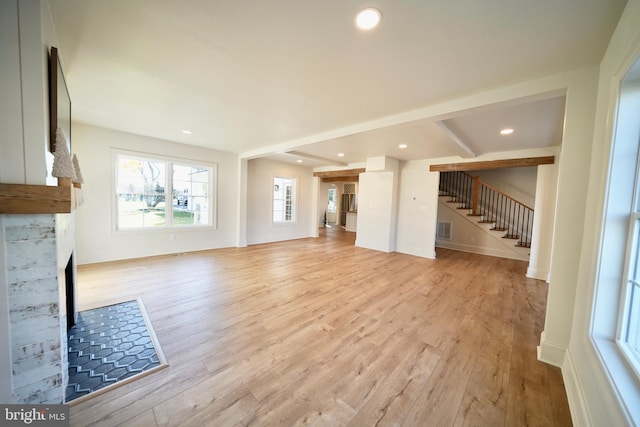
x: 154, y: 192
x: 615, y: 321
x: 629, y: 329
x: 284, y: 200
x: 625, y: 190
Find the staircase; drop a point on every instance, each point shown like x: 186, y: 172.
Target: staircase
x: 489, y: 206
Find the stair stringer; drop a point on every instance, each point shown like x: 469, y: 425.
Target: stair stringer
x: 494, y: 244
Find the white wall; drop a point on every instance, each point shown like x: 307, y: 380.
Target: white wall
x: 519, y: 183
x: 97, y: 239
x: 378, y: 191
x: 467, y: 235
x: 11, y: 145
x: 593, y: 399
x: 418, y: 209
x: 26, y: 31
x: 260, y: 226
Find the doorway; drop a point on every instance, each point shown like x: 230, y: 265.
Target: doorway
x: 332, y: 206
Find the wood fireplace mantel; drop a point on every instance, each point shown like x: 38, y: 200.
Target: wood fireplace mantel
x: 38, y: 199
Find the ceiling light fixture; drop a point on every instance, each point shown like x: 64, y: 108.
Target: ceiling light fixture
x: 368, y: 18
x: 506, y: 131
x: 299, y: 161
x: 402, y: 146
x: 340, y: 154
x: 186, y: 131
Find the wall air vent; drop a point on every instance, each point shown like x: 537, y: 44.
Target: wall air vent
x: 444, y: 230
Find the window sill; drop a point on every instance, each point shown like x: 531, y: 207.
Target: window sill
x: 166, y: 229
x: 623, y: 379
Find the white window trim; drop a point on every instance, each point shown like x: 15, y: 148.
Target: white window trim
x: 613, y: 248
x: 212, y: 193
x: 295, y: 201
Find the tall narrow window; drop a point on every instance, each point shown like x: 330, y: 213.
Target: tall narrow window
x: 154, y: 193
x: 333, y: 199
x: 284, y: 199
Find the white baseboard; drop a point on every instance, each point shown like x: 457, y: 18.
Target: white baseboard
x: 575, y: 396
x: 549, y: 353
x: 481, y: 250
x: 535, y: 273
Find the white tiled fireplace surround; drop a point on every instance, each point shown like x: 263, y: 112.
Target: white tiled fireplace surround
x: 38, y: 249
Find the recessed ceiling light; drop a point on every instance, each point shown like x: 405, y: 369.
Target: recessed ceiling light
x: 368, y: 18
x: 186, y: 131
x: 299, y: 161
x: 340, y: 154
x: 506, y: 131
x: 402, y: 146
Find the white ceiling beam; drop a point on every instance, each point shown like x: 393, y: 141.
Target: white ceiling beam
x: 313, y: 158
x: 455, y: 138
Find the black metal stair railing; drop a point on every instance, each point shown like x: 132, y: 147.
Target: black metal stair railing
x: 491, y: 205
x: 458, y: 187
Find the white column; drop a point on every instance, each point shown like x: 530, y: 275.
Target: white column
x: 378, y: 205
x: 241, y: 226
x: 544, y: 213
x: 571, y: 202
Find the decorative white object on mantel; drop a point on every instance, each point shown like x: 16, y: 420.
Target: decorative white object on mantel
x: 62, y: 164
x: 78, y: 180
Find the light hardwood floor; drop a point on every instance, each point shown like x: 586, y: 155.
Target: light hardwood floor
x: 320, y: 332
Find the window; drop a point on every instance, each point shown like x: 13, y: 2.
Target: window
x: 629, y: 331
x: 615, y: 320
x: 155, y: 193
x: 284, y: 199
x: 333, y: 199
x: 191, y: 195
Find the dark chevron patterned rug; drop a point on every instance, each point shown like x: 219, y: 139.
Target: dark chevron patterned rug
x: 108, y: 345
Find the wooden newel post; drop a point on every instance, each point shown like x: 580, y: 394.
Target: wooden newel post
x: 476, y: 192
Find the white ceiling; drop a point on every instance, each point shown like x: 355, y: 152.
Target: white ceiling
x: 245, y: 76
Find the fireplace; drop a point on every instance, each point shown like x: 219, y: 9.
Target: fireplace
x: 41, y: 298
x: 70, y: 291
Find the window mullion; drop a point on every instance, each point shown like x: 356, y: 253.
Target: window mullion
x: 169, y: 194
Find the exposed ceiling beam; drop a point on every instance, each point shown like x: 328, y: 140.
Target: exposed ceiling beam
x: 340, y: 173
x: 493, y: 164
x: 455, y: 138
x: 342, y: 179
